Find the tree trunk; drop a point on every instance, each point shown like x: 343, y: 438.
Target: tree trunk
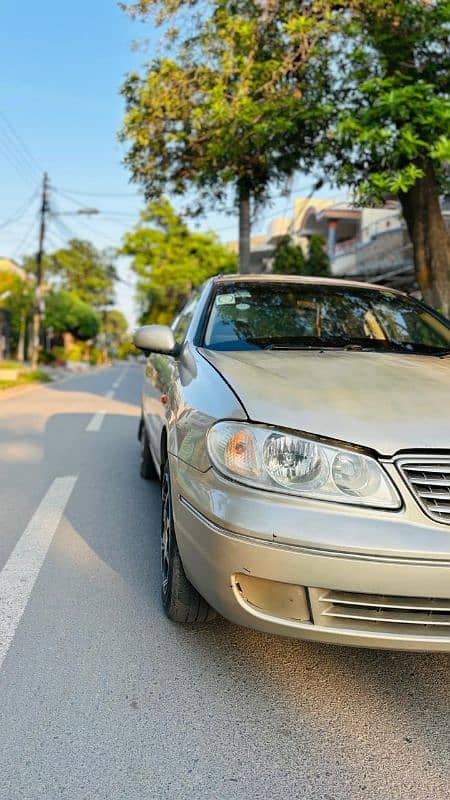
x: 21, y: 342
x: 35, y: 343
x: 430, y: 239
x: 244, y: 230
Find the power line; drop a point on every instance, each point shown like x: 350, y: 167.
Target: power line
x: 62, y: 227
x: 99, y: 232
x: 120, y: 214
x: 23, y: 244
x: 16, y: 153
x: 25, y: 153
x: 11, y: 157
x: 112, y: 213
x: 21, y: 211
x: 56, y: 239
x: 68, y: 192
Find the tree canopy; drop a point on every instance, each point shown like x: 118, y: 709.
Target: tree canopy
x: 289, y: 258
x: 114, y: 328
x: 17, y: 298
x: 221, y: 114
x: 65, y: 312
x: 84, y: 270
x: 318, y: 262
x: 358, y: 89
x: 170, y: 260
x: 389, y: 128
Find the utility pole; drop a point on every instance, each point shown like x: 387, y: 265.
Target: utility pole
x: 37, y: 313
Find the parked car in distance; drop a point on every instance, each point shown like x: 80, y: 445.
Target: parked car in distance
x: 300, y: 428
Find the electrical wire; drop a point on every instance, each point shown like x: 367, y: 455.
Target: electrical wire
x: 65, y: 232
x: 23, y: 243
x: 12, y: 159
x: 115, y: 216
x: 109, y: 214
x: 69, y: 192
x: 56, y: 239
x: 25, y: 153
x: 62, y: 228
x: 20, y: 212
x: 16, y: 152
x: 98, y: 232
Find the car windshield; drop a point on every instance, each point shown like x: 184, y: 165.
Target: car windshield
x: 272, y: 315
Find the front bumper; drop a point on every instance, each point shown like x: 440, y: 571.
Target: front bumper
x: 312, y: 577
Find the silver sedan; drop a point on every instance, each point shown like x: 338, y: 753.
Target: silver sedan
x: 301, y: 432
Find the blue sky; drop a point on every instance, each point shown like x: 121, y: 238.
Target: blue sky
x: 61, y: 68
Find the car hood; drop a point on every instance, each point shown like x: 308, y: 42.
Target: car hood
x: 387, y: 402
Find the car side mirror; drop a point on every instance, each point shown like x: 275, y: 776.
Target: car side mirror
x: 156, y: 339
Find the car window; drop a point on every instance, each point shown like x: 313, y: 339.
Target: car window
x: 268, y: 314
x: 182, y: 321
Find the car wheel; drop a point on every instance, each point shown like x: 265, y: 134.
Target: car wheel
x: 147, y: 466
x: 181, y: 601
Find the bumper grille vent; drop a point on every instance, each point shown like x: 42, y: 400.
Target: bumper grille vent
x: 429, y: 481
x: 381, y: 613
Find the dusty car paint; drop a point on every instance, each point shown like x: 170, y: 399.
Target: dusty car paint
x: 196, y: 397
x: 340, y: 394
x: 387, y: 403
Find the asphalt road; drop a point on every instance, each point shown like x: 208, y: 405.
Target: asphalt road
x: 102, y: 697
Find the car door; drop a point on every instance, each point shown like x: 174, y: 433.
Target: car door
x: 160, y: 395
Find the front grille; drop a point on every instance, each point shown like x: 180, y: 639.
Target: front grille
x: 429, y: 481
x: 381, y: 613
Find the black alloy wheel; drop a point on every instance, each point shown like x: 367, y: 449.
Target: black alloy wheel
x: 181, y: 601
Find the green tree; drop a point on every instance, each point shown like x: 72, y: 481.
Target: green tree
x: 66, y: 313
x: 223, y: 114
x: 288, y: 258
x: 389, y: 79
x: 114, y: 326
x: 17, y: 298
x: 84, y: 270
x: 170, y: 260
x: 317, y: 262
x: 361, y: 86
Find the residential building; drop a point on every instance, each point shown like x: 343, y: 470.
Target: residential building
x: 366, y: 243
x: 9, y: 265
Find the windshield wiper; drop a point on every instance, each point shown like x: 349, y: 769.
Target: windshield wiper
x: 313, y: 343
x: 302, y: 343
x: 348, y: 343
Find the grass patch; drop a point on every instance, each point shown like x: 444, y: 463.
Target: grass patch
x: 9, y: 365
x: 24, y: 378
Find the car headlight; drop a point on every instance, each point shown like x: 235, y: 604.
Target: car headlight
x: 269, y: 459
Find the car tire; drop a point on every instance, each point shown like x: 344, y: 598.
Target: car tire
x: 181, y: 601
x: 147, y: 466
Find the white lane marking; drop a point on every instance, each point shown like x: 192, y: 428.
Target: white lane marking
x: 116, y: 385
x: 121, y: 377
x: 20, y: 572
x: 96, y: 422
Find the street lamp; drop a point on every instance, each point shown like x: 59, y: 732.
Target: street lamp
x: 89, y: 212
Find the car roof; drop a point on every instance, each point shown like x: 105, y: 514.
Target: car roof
x: 305, y: 279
